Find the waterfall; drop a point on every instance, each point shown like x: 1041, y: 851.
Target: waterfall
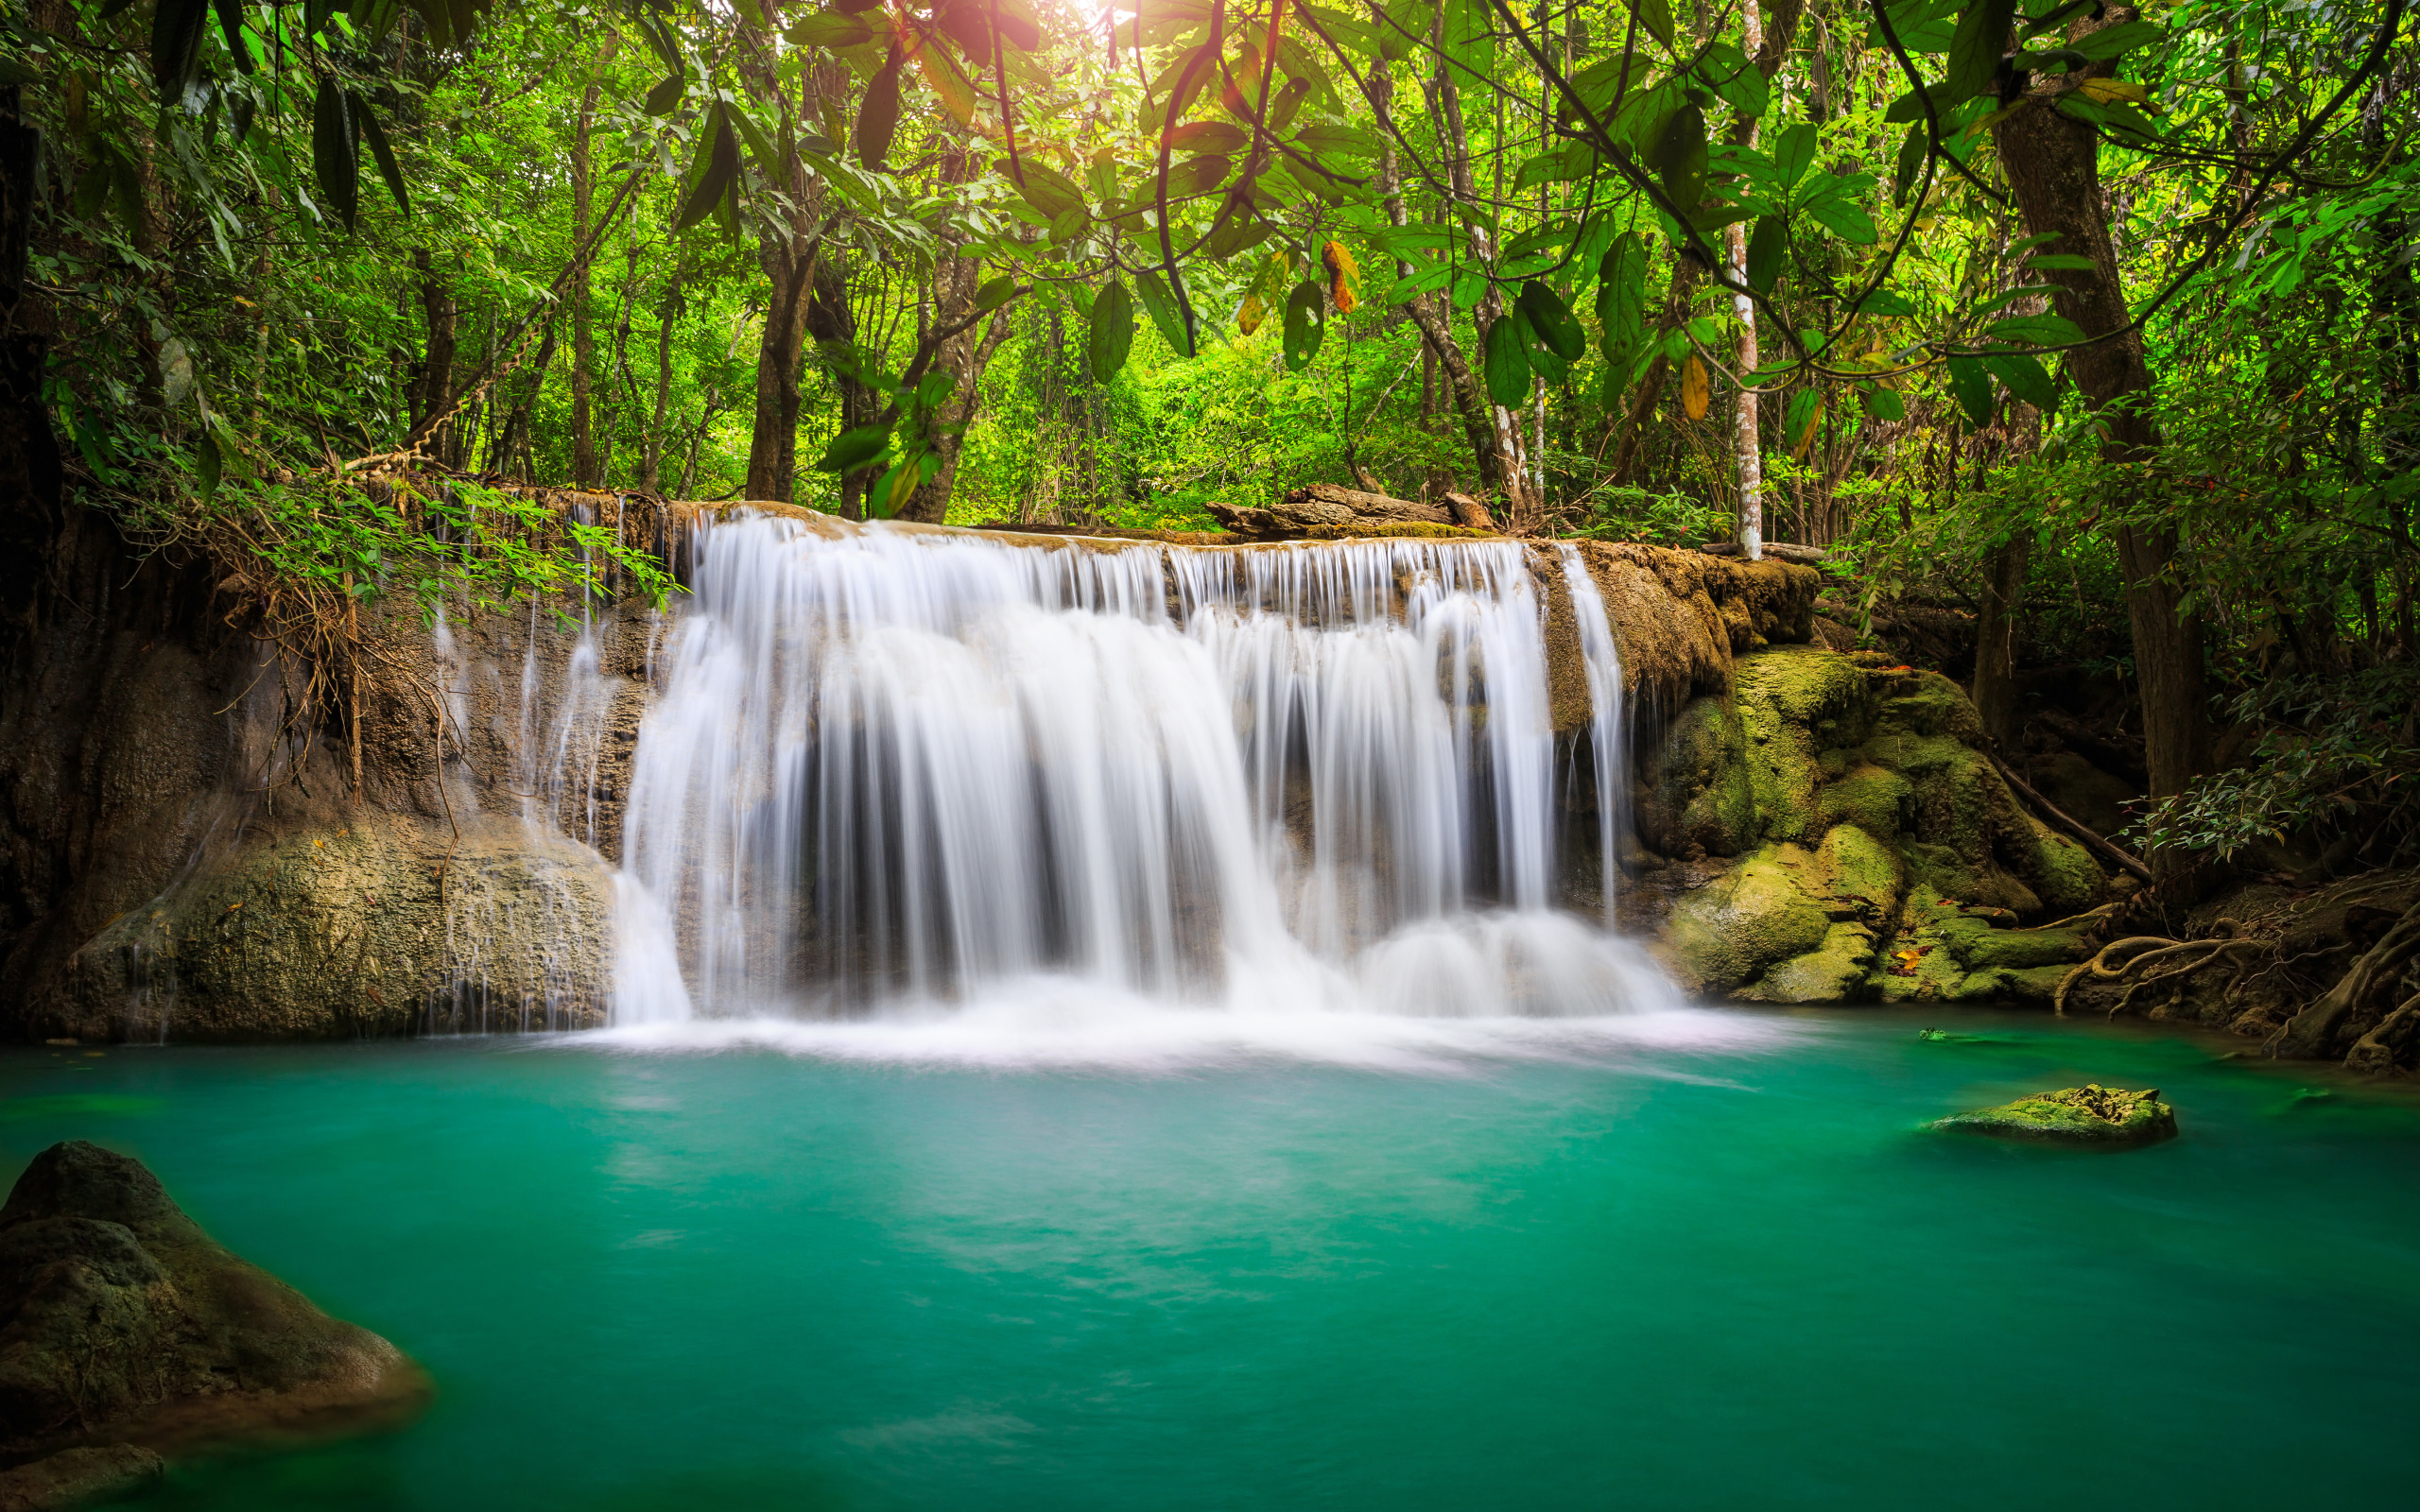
x: 898, y: 770
x: 1609, y: 734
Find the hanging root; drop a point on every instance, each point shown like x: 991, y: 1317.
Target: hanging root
x: 2146, y: 953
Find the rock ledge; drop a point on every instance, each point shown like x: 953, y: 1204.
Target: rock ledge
x: 2104, y: 1117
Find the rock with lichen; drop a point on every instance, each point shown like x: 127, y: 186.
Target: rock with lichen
x: 2090, y: 1115
x: 130, y: 1333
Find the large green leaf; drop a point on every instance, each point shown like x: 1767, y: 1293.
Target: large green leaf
x: 1975, y: 47
x: 1680, y: 156
x: 231, y: 23
x: 1621, y: 299
x: 1882, y: 404
x: 853, y: 449
x: 1305, y: 323
x: 1508, y: 361
x: 1550, y: 321
x: 177, y: 28
x: 1112, y: 334
x: 2022, y: 374
x: 2036, y: 330
x: 1044, y: 187
x: 1167, y: 313
x: 335, y: 154
x: 1912, y: 150
x: 878, y: 117
x: 1845, y: 219
x: 1793, y: 154
x: 1970, y: 382
x: 2111, y: 40
x: 1765, y: 248
x: 1656, y: 17
x: 384, y: 155
x: 713, y: 174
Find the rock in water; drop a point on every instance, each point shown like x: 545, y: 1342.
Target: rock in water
x: 2107, y: 1116
x: 125, y: 1331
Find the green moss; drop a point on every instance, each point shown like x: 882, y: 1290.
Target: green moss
x: 1804, y: 685
x: 1752, y: 918
x: 1834, y: 972
x: 2063, y: 872
x: 1928, y: 704
x: 2090, y: 1115
x: 1981, y: 947
x: 2039, y: 983
x: 1856, y: 867
x: 1701, y: 795
x: 1876, y: 800
x: 1792, y: 702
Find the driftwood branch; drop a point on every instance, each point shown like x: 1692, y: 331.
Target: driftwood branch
x: 2096, y: 844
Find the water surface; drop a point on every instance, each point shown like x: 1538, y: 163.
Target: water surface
x: 1703, y: 1260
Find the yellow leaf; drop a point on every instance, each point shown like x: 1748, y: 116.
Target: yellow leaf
x: 1247, y: 319
x: 2110, y: 91
x: 1806, y: 436
x: 1694, y: 393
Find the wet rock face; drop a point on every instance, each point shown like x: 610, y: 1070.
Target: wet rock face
x: 125, y: 1331
x: 2092, y: 1116
x: 1879, y: 857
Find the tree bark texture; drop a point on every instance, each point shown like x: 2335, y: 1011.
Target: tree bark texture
x: 2053, y: 165
x: 583, y: 340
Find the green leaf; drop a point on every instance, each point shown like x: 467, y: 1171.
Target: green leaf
x: 824, y: 29
x: 1680, y: 156
x: 1971, y: 384
x: 1798, y: 421
x: 1113, y: 332
x: 1044, y: 187
x: 1622, y: 298
x: 2111, y: 40
x: 1407, y: 23
x: 1765, y: 248
x: 878, y: 117
x: 1209, y: 137
x: 1912, y: 150
x: 230, y: 23
x: 336, y: 160
x: 2036, y: 330
x: 1975, y: 47
x: 717, y: 169
x: 1886, y: 303
x: 207, y: 465
x: 853, y: 449
x: 384, y: 155
x: 1882, y: 404
x: 1507, y: 361
x: 998, y: 292
x: 1727, y: 71
x: 1305, y: 323
x: 1656, y: 17
x: 1167, y: 313
x: 667, y: 95
x: 1550, y: 321
x: 1845, y: 220
x: 2022, y: 374
x: 1794, y: 153
x: 2061, y: 261
x: 1911, y: 105
x: 177, y: 28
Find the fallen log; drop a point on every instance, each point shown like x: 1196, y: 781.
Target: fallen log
x: 2095, y: 843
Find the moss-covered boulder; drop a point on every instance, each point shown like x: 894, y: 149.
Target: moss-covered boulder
x: 128, y: 1325
x: 1754, y: 917
x: 1889, y: 814
x: 2092, y: 1115
x: 380, y: 926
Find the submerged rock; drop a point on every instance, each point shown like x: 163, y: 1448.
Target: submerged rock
x: 2092, y: 1114
x: 128, y: 1331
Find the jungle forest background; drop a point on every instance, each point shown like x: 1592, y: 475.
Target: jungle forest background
x: 2091, y: 327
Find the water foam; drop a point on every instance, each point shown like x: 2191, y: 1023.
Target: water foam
x: 939, y: 780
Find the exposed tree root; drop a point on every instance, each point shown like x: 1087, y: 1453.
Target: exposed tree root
x: 2143, y: 954
x: 2313, y: 1034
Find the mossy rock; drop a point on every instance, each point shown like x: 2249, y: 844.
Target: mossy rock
x: 1859, y: 869
x: 1875, y: 799
x: 2092, y: 1115
x: 1983, y: 946
x: 1754, y: 917
x: 2061, y: 872
x: 1928, y: 704
x: 1701, y: 796
x: 2001, y: 984
x: 1793, y: 701
x: 1834, y: 972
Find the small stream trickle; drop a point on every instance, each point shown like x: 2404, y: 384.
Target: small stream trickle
x: 897, y: 771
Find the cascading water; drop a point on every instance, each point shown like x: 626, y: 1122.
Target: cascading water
x: 895, y: 771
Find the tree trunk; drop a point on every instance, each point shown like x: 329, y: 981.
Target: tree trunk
x: 963, y: 357
x: 2051, y: 162
x: 437, y: 366
x: 583, y: 342
x: 1995, y: 687
x: 652, y: 452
